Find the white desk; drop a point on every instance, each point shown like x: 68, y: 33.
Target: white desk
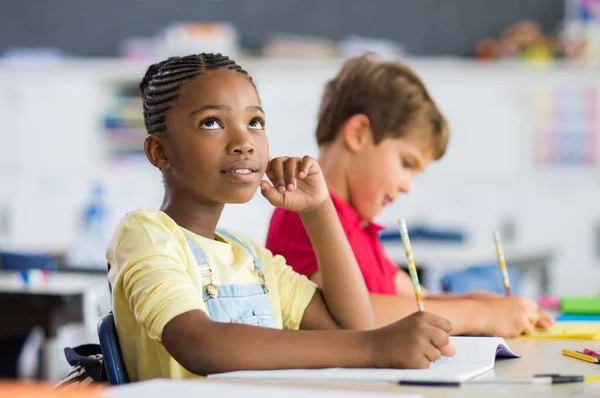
x: 444, y: 257
x: 538, y: 356
x: 64, y: 298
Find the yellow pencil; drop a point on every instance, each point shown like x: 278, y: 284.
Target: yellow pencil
x: 502, y: 263
x: 412, y: 269
x: 583, y: 357
x: 588, y: 379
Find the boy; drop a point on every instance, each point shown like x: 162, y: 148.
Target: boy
x: 377, y: 128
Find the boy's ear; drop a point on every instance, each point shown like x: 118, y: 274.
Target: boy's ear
x: 356, y: 132
x: 156, y: 152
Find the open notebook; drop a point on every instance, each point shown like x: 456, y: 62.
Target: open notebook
x: 474, y: 356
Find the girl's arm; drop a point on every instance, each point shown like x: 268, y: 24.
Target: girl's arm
x: 206, y: 347
x: 299, y: 185
x: 344, y: 291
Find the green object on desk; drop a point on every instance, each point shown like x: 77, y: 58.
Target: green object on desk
x: 580, y: 305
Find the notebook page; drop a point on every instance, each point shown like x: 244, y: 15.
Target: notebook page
x: 434, y: 373
x: 475, y: 356
x: 477, y: 351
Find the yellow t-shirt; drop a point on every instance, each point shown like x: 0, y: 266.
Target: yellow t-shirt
x: 155, y: 277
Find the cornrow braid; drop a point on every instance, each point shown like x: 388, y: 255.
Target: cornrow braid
x: 162, y: 81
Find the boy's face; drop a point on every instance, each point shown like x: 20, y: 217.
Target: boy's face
x: 379, y: 173
x: 215, y: 144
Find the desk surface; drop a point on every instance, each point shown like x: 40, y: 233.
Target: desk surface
x: 538, y: 356
x: 452, y: 255
x: 58, y: 284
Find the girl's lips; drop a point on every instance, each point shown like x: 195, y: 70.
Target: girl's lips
x: 240, y: 176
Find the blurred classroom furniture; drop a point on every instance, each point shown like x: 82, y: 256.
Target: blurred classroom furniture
x: 63, y: 299
x: 438, y: 258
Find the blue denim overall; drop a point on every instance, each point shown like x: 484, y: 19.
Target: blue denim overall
x: 248, y: 303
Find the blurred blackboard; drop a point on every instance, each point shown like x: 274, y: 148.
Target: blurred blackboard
x: 424, y: 27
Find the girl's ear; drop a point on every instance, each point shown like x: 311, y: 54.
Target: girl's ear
x: 156, y: 151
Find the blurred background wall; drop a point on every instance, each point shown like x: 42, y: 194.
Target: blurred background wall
x: 425, y: 27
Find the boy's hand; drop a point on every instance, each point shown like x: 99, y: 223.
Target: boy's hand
x: 298, y: 184
x: 513, y: 316
x: 545, y: 321
x: 412, y: 342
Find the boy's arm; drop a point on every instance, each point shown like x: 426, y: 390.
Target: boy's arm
x: 466, y: 316
x: 505, y: 317
x: 446, y: 304
x: 404, y: 285
x: 344, y: 292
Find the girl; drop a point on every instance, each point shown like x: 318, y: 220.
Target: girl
x: 188, y: 298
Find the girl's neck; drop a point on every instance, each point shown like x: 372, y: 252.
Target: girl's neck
x: 197, y: 217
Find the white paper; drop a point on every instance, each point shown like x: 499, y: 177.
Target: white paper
x: 160, y: 388
x: 474, y: 356
x: 477, y: 351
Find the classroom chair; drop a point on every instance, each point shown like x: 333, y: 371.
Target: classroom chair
x: 111, y: 350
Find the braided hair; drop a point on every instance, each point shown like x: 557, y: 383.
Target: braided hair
x: 160, y: 86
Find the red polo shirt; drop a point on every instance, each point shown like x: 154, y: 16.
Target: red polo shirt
x: 287, y: 237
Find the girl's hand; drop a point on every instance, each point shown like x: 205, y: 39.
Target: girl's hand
x: 297, y: 184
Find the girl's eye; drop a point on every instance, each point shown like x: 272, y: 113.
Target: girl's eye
x: 406, y: 164
x: 210, y: 124
x: 256, y: 124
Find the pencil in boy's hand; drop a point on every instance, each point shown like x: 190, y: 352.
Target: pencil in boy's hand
x: 502, y: 263
x: 412, y: 269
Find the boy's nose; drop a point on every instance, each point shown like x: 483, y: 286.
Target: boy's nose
x: 405, y: 185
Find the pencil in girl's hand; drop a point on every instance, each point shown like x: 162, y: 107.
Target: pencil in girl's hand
x: 502, y: 263
x: 412, y: 269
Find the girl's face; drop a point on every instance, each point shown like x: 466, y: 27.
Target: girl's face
x: 215, y: 149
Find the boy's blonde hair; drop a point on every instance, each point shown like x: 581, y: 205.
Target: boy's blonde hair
x: 390, y: 94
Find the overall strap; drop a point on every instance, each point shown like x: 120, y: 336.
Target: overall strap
x: 239, y: 242
x: 198, y: 254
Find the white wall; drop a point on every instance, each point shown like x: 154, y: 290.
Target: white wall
x: 52, y: 149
